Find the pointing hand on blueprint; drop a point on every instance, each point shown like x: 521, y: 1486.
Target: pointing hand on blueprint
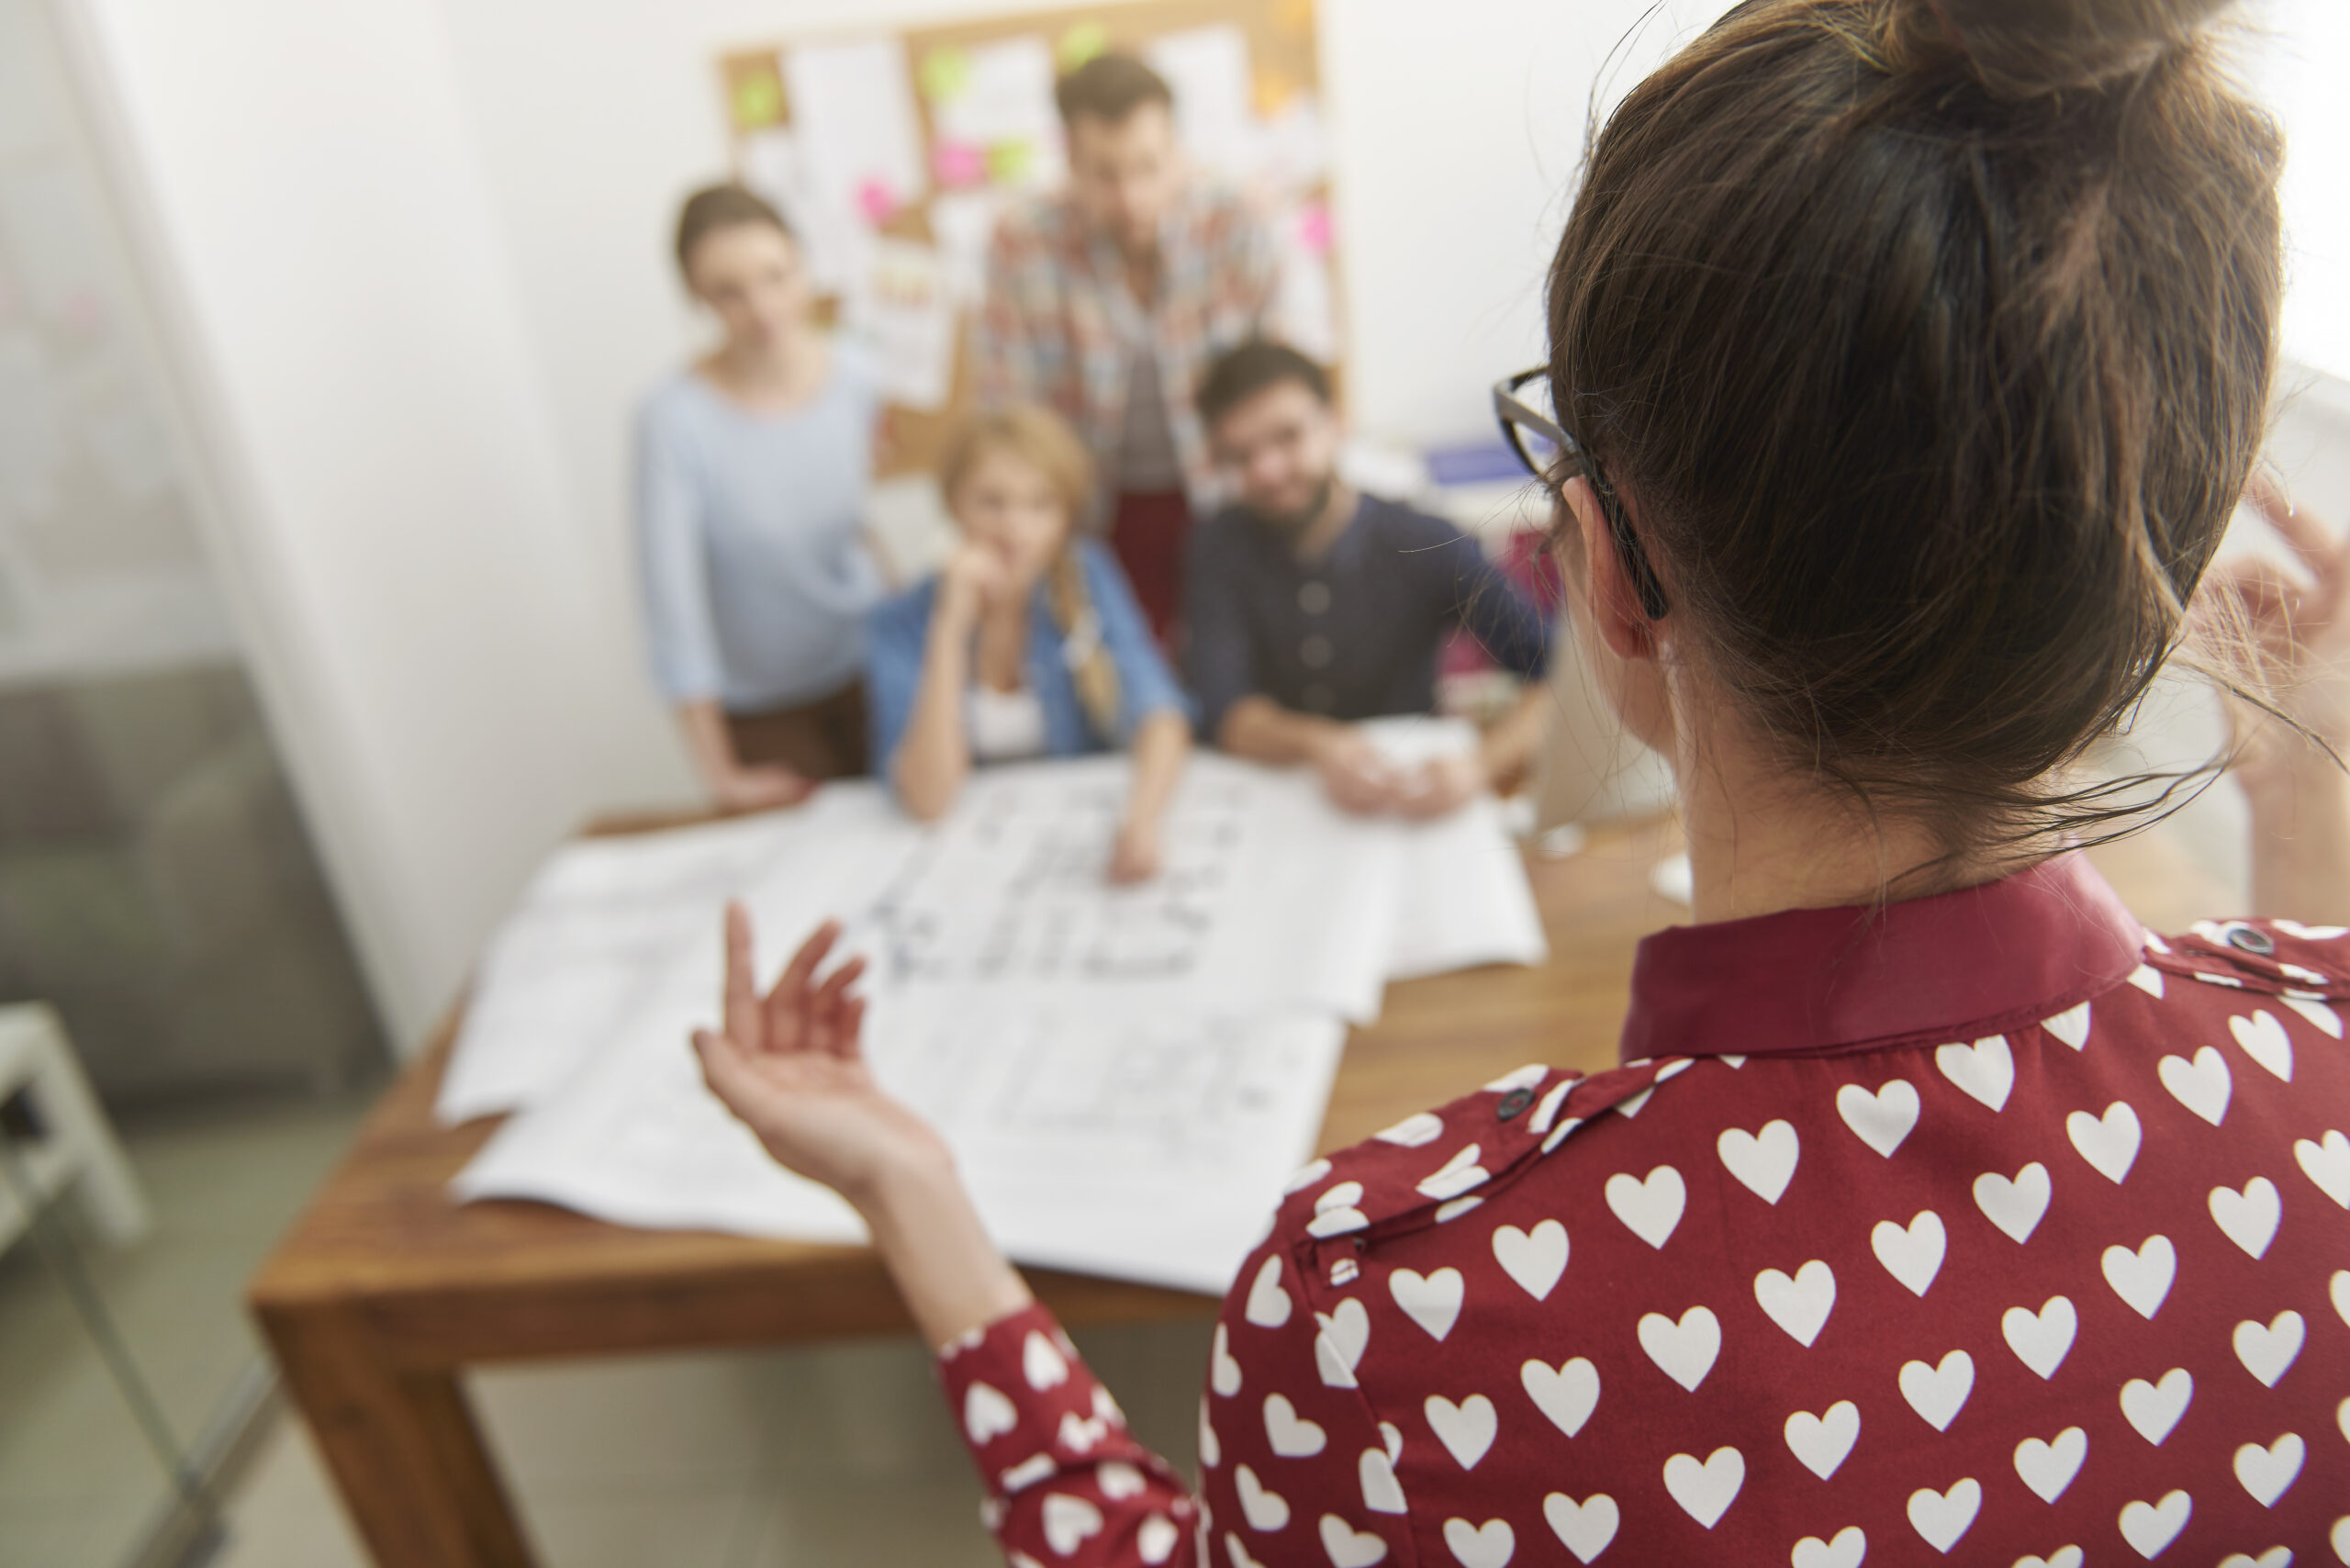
x: 791, y: 1064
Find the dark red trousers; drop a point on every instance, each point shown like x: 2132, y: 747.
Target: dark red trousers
x: 1148, y: 534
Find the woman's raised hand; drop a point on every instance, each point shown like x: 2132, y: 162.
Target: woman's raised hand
x: 2300, y: 631
x: 791, y: 1064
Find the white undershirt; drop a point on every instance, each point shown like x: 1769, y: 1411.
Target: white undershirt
x: 1004, y: 726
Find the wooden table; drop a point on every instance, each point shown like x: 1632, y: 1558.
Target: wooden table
x: 385, y: 1289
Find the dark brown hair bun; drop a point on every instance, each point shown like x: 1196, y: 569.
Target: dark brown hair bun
x: 2027, y: 49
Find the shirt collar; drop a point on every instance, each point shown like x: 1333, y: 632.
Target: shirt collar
x: 1957, y: 965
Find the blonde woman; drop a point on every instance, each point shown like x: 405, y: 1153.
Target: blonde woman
x: 1029, y: 644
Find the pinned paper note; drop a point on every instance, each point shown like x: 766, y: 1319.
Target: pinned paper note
x: 1004, y: 106
x: 876, y: 201
x: 833, y: 239
x: 756, y: 96
x: 1081, y: 43
x: 956, y: 165
x: 963, y: 223
x: 1011, y: 163
x: 1314, y: 228
x: 859, y: 141
x: 1214, y: 95
x: 945, y: 72
x: 906, y: 315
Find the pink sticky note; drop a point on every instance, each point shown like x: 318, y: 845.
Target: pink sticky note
x: 876, y: 200
x: 1314, y: 228
x: 958, y: 163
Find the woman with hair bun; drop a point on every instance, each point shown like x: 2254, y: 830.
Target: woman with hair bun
x: 1909, y: 359
x: 752, y: 467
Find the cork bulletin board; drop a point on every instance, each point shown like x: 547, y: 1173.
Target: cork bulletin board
x: 893, y: 154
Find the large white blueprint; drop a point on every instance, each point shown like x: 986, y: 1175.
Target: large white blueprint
x: 1126, y: 1075
x: 1268, y: 899
x: 1123, y: 1142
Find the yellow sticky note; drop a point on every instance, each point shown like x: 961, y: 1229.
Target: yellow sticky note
x: 945, y: 72
x: 1081, y: 43
x: 1009, y: 160
x: 758, y: 100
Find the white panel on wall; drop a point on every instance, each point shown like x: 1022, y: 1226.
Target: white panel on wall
x: 452, y: 692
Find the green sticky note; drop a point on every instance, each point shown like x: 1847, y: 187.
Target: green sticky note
x: 758, y: 101
x: 945, y: 72
x: 1081, y: 43
x: 1009, y: 160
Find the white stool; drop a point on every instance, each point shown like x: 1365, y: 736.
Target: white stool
x: 77, y: 1146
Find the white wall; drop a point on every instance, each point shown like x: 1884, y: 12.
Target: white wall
x: 396, y: 531
x: 1456, y: 130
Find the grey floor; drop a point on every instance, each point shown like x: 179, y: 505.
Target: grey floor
x: 77, y: 1484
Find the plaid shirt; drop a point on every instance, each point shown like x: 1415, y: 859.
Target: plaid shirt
x: 1048, y: 329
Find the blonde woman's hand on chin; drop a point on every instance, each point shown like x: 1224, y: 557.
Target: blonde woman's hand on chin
x: 974, y: 577
x: 791, y: 1064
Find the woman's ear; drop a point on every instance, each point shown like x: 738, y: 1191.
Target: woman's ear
x: 1603, y: 589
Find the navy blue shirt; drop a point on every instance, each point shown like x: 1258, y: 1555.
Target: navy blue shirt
x: 1354, y: 633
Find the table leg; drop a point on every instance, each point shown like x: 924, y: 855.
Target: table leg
x: 402, y: 1446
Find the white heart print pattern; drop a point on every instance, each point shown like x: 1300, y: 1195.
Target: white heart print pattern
x: 1535, y: 1259
x: 1585, y: 1528
x: 1650, y: 1207
x: 1824, y: 1441
x: 1942, y: 1518
x: 2109, y: 1143
x: 1684, y: 1351
x: 1800, y: 1304
x: 1432, y: 1300
x: 1705, y: 1488
x: 1764, y: 1160
x: 1985, y: 1071
x: 1566, y: 1395
x: 2264, y: 1041
x: 2041, y: 1340
x: 1466, y: 1430
x: 2015, y: 1206
x: 1844, y: 1549
x: 1939, y: 1393
x: 1912, y: 1254
x: 1882, y: 1120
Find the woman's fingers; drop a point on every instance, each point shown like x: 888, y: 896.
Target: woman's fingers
x: 787, y: 1013
x: 741, y: 1010
x: 828, y: 1008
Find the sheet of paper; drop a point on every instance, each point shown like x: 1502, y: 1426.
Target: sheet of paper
x: 853, y: 116
x: 904, y: 310
x: 1268, y: 898
x: 1214, y: 110
x: 993, y: 97
x: 1463, y: 897
x: 963, y: 222
x: 616, y: 934
x: 831, y: 239
x: 1146, y: 1145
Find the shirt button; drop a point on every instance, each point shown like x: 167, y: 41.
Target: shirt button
x: 1514, y: 1104
x: 1316, y: 652
x: 1318, y: 697
x: 2249, y: 939
x: 1314, y: 598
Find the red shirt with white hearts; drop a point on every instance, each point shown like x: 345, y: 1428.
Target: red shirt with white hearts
x: 1989, y: 1227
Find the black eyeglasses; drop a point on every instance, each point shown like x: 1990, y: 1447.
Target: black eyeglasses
x: 1553, y: 456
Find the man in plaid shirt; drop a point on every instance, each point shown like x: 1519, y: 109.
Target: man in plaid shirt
x: 1107, y: 301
